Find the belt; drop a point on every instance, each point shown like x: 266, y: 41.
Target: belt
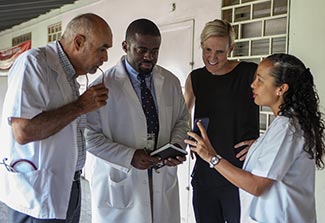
x: 77, y: 175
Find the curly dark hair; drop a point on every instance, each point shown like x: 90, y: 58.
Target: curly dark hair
x: 301, y: 102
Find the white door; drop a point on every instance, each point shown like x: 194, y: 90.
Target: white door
x: 176, y: 51
x: 176, y: 55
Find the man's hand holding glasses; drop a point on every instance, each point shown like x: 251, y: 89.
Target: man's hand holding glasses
x: 94, y: 97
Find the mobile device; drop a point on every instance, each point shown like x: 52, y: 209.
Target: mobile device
x: 205, y: 123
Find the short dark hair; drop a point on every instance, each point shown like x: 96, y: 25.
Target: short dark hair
x: 143, y: 27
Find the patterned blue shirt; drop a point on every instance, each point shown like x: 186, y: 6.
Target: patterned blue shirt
x: 81, y: 120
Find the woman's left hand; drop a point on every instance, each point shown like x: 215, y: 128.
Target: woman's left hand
x: 243, y: 152
x: 201, y: 145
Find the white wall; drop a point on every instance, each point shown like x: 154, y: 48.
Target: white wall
x: 306, y: 41
x: 38, y: 26
x: 119, y: 14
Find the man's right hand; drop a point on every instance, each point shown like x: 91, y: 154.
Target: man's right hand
x: 50, y: 122
x: 93, y: 98
x: 141, y: 160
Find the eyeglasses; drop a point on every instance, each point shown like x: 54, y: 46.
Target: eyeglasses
x: 8, y: 167
x: 102, y: 74
x: 87, y: 80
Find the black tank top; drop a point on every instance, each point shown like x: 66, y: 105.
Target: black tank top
x: 227, y: 100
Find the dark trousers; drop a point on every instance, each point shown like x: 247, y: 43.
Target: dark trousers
x: 73, y: 213
x: 216, y: 205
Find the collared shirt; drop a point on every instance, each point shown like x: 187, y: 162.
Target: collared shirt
x: 133, y: 75
x: 81, y: 120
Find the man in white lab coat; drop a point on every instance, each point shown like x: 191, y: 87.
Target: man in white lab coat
x: 42, y: 143
x: 124, y: 188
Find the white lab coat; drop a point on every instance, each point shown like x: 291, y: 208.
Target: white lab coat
x: 279, y: 155
x: 120, y: 193
x: 38, y: 83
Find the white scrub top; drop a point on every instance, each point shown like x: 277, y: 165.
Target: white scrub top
x: 279, y: 155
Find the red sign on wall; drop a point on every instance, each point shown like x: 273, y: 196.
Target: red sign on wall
x: 8, y: 56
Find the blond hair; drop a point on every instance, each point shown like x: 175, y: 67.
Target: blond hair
x: 220, y: 28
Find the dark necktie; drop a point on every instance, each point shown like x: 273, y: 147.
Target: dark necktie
x: 149, y: 108
x: 150, y: 111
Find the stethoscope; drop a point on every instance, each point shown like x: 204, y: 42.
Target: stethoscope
x: 20, y: 165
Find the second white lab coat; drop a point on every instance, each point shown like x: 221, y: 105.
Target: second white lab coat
x: 120, y: 193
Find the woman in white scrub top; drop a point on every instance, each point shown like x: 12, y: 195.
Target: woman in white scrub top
x: 278, y: 177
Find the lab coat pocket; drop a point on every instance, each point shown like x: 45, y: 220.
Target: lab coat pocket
x: 120, y: 194
x: 171, y: 196
x: 29, y: 191
x: 171, y: 181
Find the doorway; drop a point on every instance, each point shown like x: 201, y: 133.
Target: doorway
x: 176, y: 55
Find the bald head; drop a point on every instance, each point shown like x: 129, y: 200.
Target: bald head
x: 85, y: 24
x: 85, y: 41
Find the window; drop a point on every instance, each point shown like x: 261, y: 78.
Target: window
x: 21, y: 38
x: 54, y: 32
x: 261, y: 29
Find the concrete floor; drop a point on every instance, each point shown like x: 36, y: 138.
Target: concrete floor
x: 85, y: 206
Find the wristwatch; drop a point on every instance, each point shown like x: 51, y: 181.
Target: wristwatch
x: 214, y: 161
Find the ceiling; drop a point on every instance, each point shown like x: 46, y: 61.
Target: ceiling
x: 14, y: 12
